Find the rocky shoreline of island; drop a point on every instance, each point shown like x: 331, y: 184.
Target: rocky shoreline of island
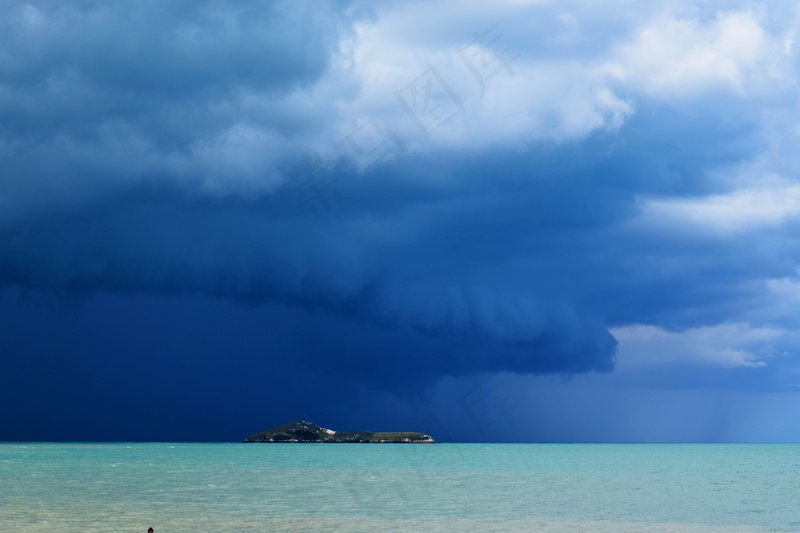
x: 307, y: 432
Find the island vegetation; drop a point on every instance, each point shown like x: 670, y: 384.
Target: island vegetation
x: 302, y: 431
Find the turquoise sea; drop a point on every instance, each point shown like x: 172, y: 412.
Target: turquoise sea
x: 395, y: 487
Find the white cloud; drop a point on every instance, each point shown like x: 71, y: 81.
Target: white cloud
x: 785, y: 288
x: 230, y: 137
x: 789, y: 43
x: 538, y: 97
x: 686, y: 56
x: 738, y: 211
x: 781, y: 301
x: 724, y: 345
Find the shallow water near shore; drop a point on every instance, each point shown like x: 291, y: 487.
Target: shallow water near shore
x: 399, y: 487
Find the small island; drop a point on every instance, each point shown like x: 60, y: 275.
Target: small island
x: 302, y: 431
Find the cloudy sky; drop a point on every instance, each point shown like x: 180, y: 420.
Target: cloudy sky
x: 515, y: 221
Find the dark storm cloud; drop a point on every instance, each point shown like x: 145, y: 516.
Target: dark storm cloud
x: 95, y: 97
x: 508, y: 268
x: 147, y: 159
x: 435, y: 279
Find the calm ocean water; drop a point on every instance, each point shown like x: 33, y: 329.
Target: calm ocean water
x: 384, y: 487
